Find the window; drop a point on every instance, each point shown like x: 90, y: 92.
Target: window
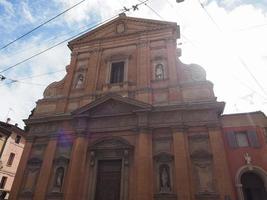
x: 243, y: 139
x: 10, y: 159
x: 117, y: 72
x: 18, y: 138
x: 3, y: 182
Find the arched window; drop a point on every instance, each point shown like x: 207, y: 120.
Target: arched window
x: 159, y: 72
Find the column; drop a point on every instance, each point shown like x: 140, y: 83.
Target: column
x: 20, y: 171
x: 76, y: 168
x: 144, y: 166
x: 43, y: 179
x: 182, y: 179
x: 221, y: 170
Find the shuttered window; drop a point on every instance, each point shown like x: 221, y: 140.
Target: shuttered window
x: 231, y: 139
x: 253, y: 139
x: 243, y: 139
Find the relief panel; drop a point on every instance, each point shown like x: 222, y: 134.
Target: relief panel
x: 202, y: 162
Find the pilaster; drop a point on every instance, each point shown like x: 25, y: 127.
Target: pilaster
x: 43, y: 179
x: 76, y: 169
x: 180, y: 148
x: 143, y: 160
x: 221, y: 170
x: 143, y: 69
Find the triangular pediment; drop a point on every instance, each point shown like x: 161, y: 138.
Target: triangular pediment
x: 110, y: 105
x: 120, y: 26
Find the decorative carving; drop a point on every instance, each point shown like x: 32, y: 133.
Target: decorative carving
x: 247, y: 158
x: 111, y: 143
x: 201, y: 155
x: 126, y: 157
x: 35, y: 162
x: 193, y: 72
x: 92, y: 156
x: 205, y: 176
x: 30, y: 179
x: 163, y: 157
x: 120, y: 28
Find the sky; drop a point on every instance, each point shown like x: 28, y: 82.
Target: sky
x: 226, y: 37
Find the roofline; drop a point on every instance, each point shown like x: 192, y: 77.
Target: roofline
x: 5, y: 131
x: 12, y: 128
x: 245, y: 113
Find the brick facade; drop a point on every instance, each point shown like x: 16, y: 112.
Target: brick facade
x: 161, y: 122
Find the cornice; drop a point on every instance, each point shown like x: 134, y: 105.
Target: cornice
x: 48, y: 118
x: 119, y: 36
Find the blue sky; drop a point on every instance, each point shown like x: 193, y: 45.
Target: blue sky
x: 243, y: 25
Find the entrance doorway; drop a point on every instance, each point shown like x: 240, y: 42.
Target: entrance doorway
x: 253, y: 187
x: 108, y: 181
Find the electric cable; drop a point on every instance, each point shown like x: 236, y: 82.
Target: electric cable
x: 238, y: 57
x: 76, y: 35
x: 42, y: 24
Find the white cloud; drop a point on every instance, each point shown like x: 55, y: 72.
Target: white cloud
x: 26, y: 12
x: 7, y: 6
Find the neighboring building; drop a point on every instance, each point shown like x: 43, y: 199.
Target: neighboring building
x: 129, y: 121
x: 245, y: 137
x: 12, y: 143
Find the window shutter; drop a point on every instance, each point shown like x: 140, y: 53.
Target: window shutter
x: 231, y: 139
x: 253, y: 139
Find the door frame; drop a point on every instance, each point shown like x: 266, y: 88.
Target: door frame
x: 249, y: 168
x: 113, y: 148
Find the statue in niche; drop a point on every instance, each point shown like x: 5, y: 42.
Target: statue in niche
x: 204, y: 173
x: 159, y: 72
x: 79, y: 82
x: 58, y: 181
x: 164, y: 175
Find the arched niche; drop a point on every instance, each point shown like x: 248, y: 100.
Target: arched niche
x: 249, y: 169
x: 106, y: 150
x: 164, y: 176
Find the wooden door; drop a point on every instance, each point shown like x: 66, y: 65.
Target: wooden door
x: 108, y: 180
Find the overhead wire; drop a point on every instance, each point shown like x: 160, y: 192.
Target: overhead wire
x: 14, y: 80
x: 26, y: 49
x: 220, y: 30
x: 42, y: 24
x: 74, y: 36
x: 238, y: 57
x: 156, y: 13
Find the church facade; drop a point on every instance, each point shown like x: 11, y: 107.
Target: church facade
x: 129, y: 121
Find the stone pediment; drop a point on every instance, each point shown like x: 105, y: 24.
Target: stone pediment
x: 111, y: 143
x: 122, y: 25
x: 111, y: 105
